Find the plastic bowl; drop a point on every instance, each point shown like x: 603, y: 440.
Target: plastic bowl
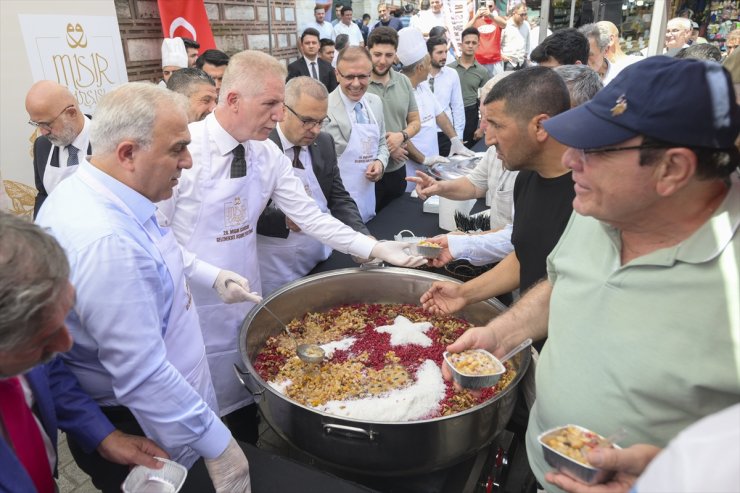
x: 468, y: 380
x: 579, y: 471
x: 169, y: 479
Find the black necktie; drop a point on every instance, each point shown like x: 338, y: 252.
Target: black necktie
x: 238, y: 164
x: 313, y: 71
x: 72, y: 159
x: 296, y: 160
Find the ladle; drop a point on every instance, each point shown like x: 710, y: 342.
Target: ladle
x: 308, y: 353
x: 527, y: 342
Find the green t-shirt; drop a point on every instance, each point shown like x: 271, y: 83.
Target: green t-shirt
x: 398, y: 101
x: 471, y: 79
x: 651, y: 346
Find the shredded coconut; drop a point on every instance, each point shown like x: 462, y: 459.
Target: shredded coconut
x: 404, y: 331
x: 280, y: 386
x: 342, y: 345
x: 417, y: 401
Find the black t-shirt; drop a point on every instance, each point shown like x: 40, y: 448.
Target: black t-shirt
x: 542, y: 208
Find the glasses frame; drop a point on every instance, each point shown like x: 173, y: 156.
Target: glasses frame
x: 47, y: 125
x: 361, y: 77
x: 309, y: 123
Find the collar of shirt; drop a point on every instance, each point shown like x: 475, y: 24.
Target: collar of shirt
x: 142, y: 208
x: 391, y: 81
x: 223, y: 139
x: 349, y: 105
x: 304, y: 155
x: 83, y: 138
x: 309, y: 62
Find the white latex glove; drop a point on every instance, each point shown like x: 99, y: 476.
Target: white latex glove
x: 457, y: 147
x: 432, y: 160
x: 229, y: 471
x: 393, y: 253
x: 233, y: 288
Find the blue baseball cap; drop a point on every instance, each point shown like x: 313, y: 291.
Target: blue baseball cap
x: 682, y: 101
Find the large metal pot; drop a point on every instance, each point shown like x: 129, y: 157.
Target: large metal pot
x: 382, y: 448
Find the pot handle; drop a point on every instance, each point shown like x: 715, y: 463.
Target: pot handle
x: 350, y: 431
x: 247, y: 380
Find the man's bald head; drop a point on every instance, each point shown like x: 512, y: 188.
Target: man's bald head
x: 55, y: 111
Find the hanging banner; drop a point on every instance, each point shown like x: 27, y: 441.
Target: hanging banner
x: 186, y: 19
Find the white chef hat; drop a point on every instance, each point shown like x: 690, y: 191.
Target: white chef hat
x: 174, y: 53
x: 411, y: 46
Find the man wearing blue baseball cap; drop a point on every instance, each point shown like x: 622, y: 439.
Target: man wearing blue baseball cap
x: 642, y: 298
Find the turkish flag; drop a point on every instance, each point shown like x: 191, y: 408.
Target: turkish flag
x: 186, y: 19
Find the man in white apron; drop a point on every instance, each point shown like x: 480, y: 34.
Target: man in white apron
x: 285, y: 252
x: 358, y: 128
x: 423, y: 148
x: 138, y: 349
x: 216, y: 206
x: 64, y: 136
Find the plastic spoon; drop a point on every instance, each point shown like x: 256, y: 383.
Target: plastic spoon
x: 308, y: 353
x: 527, y: 342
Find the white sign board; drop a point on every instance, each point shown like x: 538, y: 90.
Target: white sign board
x: 83, y: 53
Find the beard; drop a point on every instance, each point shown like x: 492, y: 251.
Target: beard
x: 63, y: 138
x: 381, y: 74
x: 437, y: 64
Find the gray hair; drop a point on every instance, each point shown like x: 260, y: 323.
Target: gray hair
x: 186, y: 80
x: 128, y: 112
x: 312, y: 88
x: 492, y: 82
x: 34, y: 272
x: 407, y: 70
x: 600, y: 34
x: 582, y: 81
x: 701, y: 51
x: 681, y: 21
x: 247, y: 71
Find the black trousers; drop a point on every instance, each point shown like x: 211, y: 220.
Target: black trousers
x: 444, y: 144
x: 108, y: 476
x: 471, y: 124
x: 390, y: 187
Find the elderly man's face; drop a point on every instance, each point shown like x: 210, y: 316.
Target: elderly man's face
x: 595, y: 56
x: 354, y: 77
x: 436, y: 6
x: 675, y: 35
x: 156, y: 168
x: 612, y: 186
x: 202, y: 102
x: 55, y: 123
x: 259, y: 113
x: 52, y: 338
x: 302, y: 125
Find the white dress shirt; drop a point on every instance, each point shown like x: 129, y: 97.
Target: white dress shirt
x: 325, y: 29
x: 448, y: 93
x: 316, y: 64
x: 354, y: 33
x: 513, y: 45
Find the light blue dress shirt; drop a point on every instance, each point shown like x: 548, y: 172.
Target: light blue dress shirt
x: 124, y: 297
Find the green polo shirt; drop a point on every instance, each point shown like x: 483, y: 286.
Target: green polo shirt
x: 651, y: 346
x: 471, y: 79
x: 398, y: 101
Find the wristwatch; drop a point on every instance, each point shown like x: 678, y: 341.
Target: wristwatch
x: 405, y: 135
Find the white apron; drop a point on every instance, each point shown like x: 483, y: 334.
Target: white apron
x: 282, y: 260
x: 182, y: 336
x: 224, y: 236
x: 361, y: 150
x: 53, y: 175
x: 426, y: 140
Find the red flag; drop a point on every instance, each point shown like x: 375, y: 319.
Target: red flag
x: 187, y: 19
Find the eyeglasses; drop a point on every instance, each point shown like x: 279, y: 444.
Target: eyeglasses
x: 47, y: 125
x: 359, y: 77
x: 604, y: 150
x: 309, y: 123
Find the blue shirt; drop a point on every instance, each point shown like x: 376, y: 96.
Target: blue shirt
x: 124, y: 297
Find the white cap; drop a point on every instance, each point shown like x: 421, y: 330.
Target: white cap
x: 174, y: 53
x: 411, y: 46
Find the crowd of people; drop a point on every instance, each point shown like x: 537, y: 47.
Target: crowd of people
x: 162, y: 219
